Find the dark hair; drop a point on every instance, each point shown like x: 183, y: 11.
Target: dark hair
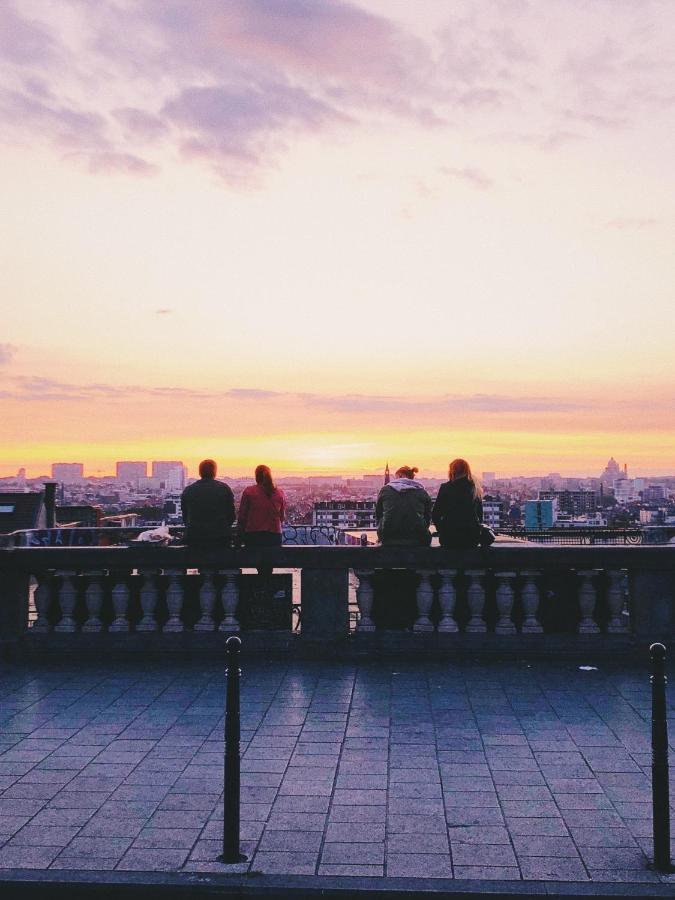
x: 407, y: 472
x: 208, y: 468
x: 263, y: 477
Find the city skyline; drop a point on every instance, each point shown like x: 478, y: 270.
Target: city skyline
x: 191, y: 470
x: 321, y: 235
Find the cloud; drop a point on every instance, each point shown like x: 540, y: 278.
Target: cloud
x: 64, y: 125
x: 446, y: 403
x: 472, y: 176
x: 7, y: 352
x: 241, y: 124
x: 653, y: 411
x: 139, y: 124
x: 41, y: 388
x: 109, y: 162
x: 231, y: 86
x: 232, y: 83
x: 24, y: 41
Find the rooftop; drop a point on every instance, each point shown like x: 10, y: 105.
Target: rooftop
x: 434, y: 774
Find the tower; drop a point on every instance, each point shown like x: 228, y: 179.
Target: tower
x: 386, y: 473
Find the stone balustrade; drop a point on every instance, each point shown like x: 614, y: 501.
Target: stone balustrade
x: 508, y: 596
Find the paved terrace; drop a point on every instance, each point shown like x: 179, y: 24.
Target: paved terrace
x: 501, y: 771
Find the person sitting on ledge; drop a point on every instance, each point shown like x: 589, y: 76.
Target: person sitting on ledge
x: 458, y: 510
x: 403, y: 511
x: 261, y: 514
x: 208, y: 510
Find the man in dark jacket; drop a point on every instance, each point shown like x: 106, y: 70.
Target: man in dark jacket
x: 403, y: 511
x: 208, y: 510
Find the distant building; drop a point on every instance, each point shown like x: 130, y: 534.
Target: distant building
x: 173, y: 508
x: 653, y: 493
x: 345, y: 513
x: 161, y: 468
x: 611, y: 472
x: 67, y: 473
x: 624, y: 490
x: 492, y: 511
x: 20, y: 511
x: 540, y: 514
x: 514, y: 515
x: 132, y: 472
x: 175, y: 480
x: 651, y: 516
x: 552, y: 482
x: 573, y: 503
x: 82, y: 516
x: 488, y: 478
x: 324, y: 480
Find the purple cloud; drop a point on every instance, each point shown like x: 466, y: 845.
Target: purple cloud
x: 231, y: 84
x: 476, y: 178
x: 234, y: 82
x: 66, y: 126
x: 24, y: 41
x: 139, y: 124
x: 7, y: 352
x: 109, y: 162
x: 239, y: 123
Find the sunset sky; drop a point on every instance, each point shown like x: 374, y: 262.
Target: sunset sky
x: 324, y: 234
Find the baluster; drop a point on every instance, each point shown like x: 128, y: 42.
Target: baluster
x: 208, y: 594
x: 424, y: 596
x: 364, y: 599
x: 93, y: 596
x: 504, y: 598
x: 230, y: 599
x: 42, y: 598
x: 447, y: 598
x: 120, y: 602
x: 148, y: 602
x: 174, y: 601
x: 67, y: 600
x: 529, y: 596
x: 587, y: 600
x: 618, y: 623
x: 476, y: 600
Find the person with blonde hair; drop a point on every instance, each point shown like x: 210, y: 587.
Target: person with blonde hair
x: 458, y: 510
x: 403, y: 511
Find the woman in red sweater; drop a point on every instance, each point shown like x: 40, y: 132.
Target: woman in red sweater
x: 261, y: 513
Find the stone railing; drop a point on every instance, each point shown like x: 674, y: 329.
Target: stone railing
x: 112, y: 536
x: 165, y: 598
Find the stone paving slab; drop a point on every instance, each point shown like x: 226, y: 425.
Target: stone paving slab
x: 531, y: 772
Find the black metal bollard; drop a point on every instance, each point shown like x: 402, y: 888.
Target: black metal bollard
x: 660, y: 787
x: 231, y: 852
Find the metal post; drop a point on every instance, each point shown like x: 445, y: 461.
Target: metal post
x: 231, y: 853
x: 660, y: 790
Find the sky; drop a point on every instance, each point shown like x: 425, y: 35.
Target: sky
x: 323, y: 234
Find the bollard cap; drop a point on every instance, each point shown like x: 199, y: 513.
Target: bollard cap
x: 233, y: 644
x: 657, y: 651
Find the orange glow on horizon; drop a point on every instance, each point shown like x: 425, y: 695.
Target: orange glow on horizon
x: 507, y: 453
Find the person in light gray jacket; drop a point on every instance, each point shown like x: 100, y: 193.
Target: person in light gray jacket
x: 403, y: 511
